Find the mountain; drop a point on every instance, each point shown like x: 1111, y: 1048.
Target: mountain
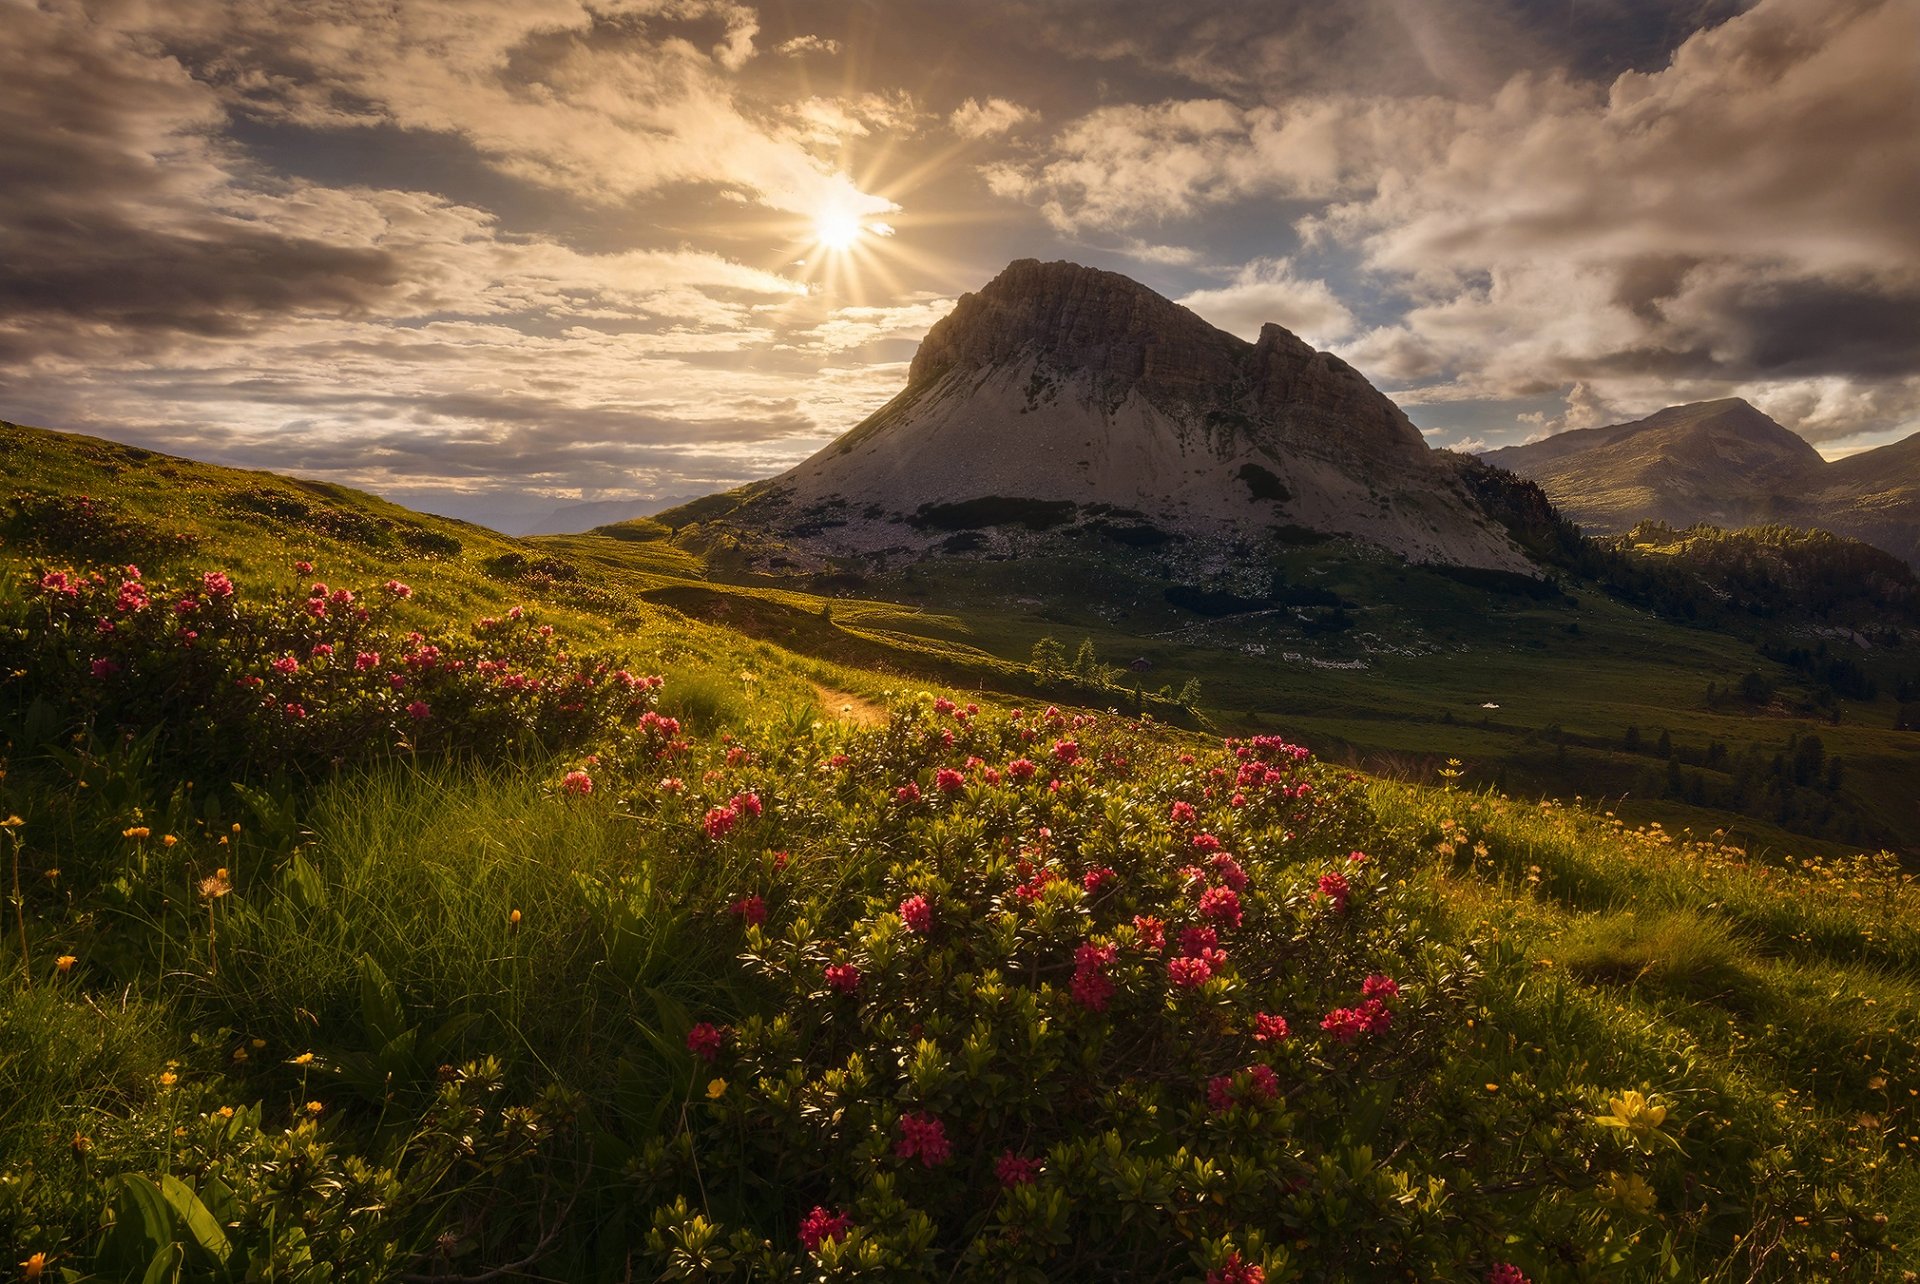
x: 1727, y: 464
x: 1060, y: 398
x: 1712, y: 461
x: 1875, y: 496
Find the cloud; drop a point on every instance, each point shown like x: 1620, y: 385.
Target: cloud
x: 800, y: 45
x: 1267, y: 290
x: 603, y: 102
x: 975, y: 119
x: 1737, y: 219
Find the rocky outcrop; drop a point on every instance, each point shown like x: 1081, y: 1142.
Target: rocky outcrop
x: 1063, y: 390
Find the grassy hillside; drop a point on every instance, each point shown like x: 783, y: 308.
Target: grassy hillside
x: 1600, y: 690
x: 489, y: 957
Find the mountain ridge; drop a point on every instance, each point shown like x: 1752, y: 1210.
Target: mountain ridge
x: 1062, y: 385
x: 1725, y: 463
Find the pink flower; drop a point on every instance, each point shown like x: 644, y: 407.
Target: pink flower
x: 1182, y: 814
x: 924, y: 1138
x: 917, y: 914
x: 1505, y: 1273
x: 419, y: 711
x: 398, y: 589
x: 1066, y: 751
x: 103, y: 668
x: 747, y: 805
x: 704, y: 1041
x: 943, y: 705
x: 720, y: 821
x: 577, y: 782
x: 949, y: 781
x: 844, y: 977
x: 1149, y: 933
x: 1188, y: 973
x: 294, y: 709
x: 317, y: 608
x: 1021, y: 769
x: 1206, y: 843
x: 1269, y: 1029
x: 1262, y: 1083
x: 1229, y: 871
x: 1221, y: 905
x: 303, y: 568
x: 286, y: 664
x: 907, y: 793
x: 1091, y: 986
x: 1196, y: 941
x: 1095, y: 879
x: 216, y: 585
x: 1235, y: 1270
x: 1380, y: 987
x: 750, y: 909
x: 1334, y: 887
x: 364, y: 660
x: 56, y: 582
x: 133, y: 596
x: 1348, y: 1024
x: 1015, y: 1170
x: 1220, y: 1093
x: 820, y: 1226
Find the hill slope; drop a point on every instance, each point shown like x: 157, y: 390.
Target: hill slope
x: 1060, y: 394
x: 1727, y: 464
x: 303, y: 981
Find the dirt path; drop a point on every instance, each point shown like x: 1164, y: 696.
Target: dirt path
x: 858, y: 710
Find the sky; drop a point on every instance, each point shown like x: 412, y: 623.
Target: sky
x: 490, y: 257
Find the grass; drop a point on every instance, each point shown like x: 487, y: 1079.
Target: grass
x: 432, y: 1017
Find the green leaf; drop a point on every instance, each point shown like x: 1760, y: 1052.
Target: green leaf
x: 192, y: 1215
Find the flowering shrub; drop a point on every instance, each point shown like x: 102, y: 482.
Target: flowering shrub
x: 1019, y: 1030
x: 253, y: 684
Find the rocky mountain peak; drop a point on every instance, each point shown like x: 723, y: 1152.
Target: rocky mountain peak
x: 1082, y: 319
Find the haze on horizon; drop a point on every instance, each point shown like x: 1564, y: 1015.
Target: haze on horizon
x: 489, y: 256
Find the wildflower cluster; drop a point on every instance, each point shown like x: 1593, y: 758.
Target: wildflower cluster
x: 987, y: 971
x: 320, y: 675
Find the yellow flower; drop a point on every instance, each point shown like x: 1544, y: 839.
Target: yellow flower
x: 716, y: 1089
x: 1636, y: 1115
x: 168, y: 1078
x: 304, y: 1059
x: 82, y: 1145
x: 168, y: 840
x: 64, y: 964
x: 136, y: 831
x: 1627, y: 1191
x: 314, y: 1107
x: 34, y: 1266
x: 258, y: 1043
x: 226, y: 1112
x: 217, y: 886
x: 513, y: 919
x: 53, y: 875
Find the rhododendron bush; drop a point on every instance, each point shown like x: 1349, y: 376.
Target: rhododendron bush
x: 308, y: 679
x: 1131, y: 1014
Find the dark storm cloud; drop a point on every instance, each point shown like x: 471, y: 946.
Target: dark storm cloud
x: 102, y: 219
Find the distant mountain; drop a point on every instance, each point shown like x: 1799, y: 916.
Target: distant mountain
x: 570, y: 519
x: 1724, y: 463
x: 1060, y: 398
x: 1875, y: 496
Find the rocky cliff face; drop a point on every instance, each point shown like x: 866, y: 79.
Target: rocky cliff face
x: 1086, y: 393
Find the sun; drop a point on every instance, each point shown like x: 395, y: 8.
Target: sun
x: 837, y: 230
